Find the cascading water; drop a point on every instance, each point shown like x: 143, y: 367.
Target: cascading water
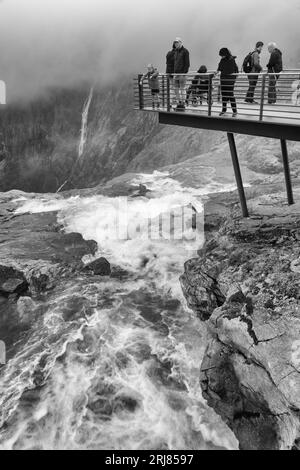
x: 84, y: 123
x: 114, y: 363
x: 83, y: 136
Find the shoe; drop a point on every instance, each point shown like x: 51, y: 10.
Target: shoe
x: 255, y: 102
x: 234, y: 115
x: 248, y: 101
x: 222, y: 113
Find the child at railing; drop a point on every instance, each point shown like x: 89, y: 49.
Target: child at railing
x: 153, y: 80
x: 199, y: 88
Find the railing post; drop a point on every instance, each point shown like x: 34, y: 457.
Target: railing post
x: 141, y: 92
x: 238, y: 175
x: 210, y: 94
x: 163, y: 92
x: 168, y: 94
x: 262, y: 98
x: 287, y: 172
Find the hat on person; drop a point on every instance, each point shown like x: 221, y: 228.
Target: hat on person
x: 178, y: 40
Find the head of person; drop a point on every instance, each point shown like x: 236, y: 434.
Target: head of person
x: 178, y: 43
x: 272, y: 46
x: 259, y: 46
x: 202, y: 69
x: 150, y: 67
x: 225, y: 53
x: 174, y: 46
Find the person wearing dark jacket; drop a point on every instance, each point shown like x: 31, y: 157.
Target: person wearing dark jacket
x: 275, y: 67
x: 199, y: 88
x: 255, y: 70
x: 228, y: 68
x: 181, y: 67
x: 171, y: 61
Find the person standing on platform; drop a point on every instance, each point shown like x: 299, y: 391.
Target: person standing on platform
x: 181, y: 67
x: 252, y: 66
x: 228, y: 68
x: 152, y: 76
x: 275, y: 67
x: 170, y: 66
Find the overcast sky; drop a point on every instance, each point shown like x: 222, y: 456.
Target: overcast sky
x: 62, y: 42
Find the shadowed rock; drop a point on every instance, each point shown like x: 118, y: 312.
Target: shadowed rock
x: 99, y: 267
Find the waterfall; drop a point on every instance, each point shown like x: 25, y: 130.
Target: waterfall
x: 83, y: 135
x: 84, y: 123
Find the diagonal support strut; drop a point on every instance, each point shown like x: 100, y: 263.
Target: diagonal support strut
x: 287, y: 173
x: 238, y: 175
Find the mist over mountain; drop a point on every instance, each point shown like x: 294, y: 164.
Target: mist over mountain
x: 63, y: 43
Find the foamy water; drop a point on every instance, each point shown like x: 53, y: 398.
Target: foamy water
x: 114, y: 364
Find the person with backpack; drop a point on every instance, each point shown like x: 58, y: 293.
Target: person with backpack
x: 228, y: 70
x: 275, y: 67
x: 252, y: 67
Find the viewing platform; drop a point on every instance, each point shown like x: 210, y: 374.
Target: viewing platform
x: 203, y: 105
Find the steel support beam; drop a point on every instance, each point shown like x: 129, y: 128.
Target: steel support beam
x: 287, y: 173
x: 238, y: 175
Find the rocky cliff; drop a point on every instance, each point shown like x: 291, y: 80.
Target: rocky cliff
x: 245, y: 285
x: 40, y: 140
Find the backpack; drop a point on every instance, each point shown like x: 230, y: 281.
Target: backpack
x: 248, y: 63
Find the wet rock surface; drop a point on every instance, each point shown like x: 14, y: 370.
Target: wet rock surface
x: 36, y: 257
x: 246, y: 286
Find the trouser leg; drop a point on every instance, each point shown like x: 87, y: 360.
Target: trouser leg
x: 272, y: 95
x: 252, y: 86
x: 182, y: 84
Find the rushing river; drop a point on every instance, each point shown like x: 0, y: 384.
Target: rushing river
x: 114, y: 364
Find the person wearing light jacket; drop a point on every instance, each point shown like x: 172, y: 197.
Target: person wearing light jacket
x: 181, y: 68
x: 152, y: 76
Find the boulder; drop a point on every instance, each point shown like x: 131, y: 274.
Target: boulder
x: 11, y: 281
x: 99, y: 267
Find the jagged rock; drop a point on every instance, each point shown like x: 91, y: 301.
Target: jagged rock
x: 235, y: 294
x: 11, y: 281
x: 201, y: 290
x: 247, y: 399
x: 100, y: 267
x: 12, y: 286
x: 250, y: 373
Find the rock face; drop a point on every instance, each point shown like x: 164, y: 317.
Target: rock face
x: 245, y: 286
x: 42, y: 139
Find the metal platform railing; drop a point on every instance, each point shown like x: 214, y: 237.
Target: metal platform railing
x: 204, y: 94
